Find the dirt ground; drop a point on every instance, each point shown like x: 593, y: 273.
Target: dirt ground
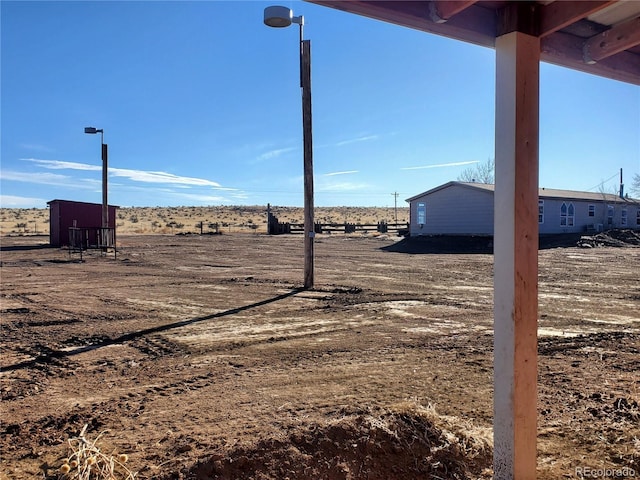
x: 200, y: 357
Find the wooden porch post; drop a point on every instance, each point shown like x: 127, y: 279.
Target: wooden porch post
x: 516, y: 256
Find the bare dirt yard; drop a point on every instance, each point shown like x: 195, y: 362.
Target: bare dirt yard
x: 200, y: 357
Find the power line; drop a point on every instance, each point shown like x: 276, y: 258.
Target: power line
x: 603, y: 182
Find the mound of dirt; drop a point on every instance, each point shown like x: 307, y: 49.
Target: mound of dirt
x: 611, y: 238
x: 405, y: 443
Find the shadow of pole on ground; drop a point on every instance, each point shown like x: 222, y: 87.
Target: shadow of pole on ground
x: 51, y: 355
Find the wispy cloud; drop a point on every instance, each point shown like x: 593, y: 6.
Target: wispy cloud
x: 200, y: 198
x: 161, y: 177
x: 204, y: 197
x: 328, y: 183
x: 341, y: 187
x: 364, y: 138
x: 340, y: 173
x: 240, y: 196
x: 36, y: 147
x: 12, y: 201
x: 441, y: 165
x: 275, y: 153
x: 44, y: 178
x: 145, y: 176
x: 62, y: 165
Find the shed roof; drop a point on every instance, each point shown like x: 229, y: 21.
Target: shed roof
x: 598, y: 37
x: 542, y: 193
x: 78, y: 203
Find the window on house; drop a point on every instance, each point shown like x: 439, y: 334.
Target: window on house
x: 540, y: 211
x: 592, y: 210
x: 422, y: 213
x: 610, y: 214
x: 571, y: 215
x: 567, y: 215
x: 623, y: 217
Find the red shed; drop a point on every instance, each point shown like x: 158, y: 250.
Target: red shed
x: 66, y: 213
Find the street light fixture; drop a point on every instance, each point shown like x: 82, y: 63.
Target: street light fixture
x: 93, y: 130
x: 279, y: 17
x: 105, y: 206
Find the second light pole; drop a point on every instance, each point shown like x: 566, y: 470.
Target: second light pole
x: 279, y: 17
x: 105, y: 169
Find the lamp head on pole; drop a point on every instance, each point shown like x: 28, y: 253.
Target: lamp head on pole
x: 92, y: 130
x: 279, y: 17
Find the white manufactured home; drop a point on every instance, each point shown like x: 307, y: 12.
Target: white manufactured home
x: 460, y: 208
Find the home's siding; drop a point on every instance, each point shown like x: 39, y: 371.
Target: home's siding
x: 552, y: 215
x: 462, y: 209
x: 633, y: 220
x: 455, y: 210
x: 582, y: 221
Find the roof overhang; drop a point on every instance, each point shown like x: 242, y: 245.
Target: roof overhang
x: 546, y: 193
x: 79, y: 203
x: 593, y: 36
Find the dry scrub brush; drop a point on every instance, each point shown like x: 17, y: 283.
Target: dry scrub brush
x: 87, y: 462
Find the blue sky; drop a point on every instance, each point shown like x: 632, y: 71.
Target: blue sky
x: 200, y: 105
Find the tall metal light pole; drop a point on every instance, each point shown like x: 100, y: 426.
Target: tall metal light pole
x: 279, y: 17
x: 105, y: 205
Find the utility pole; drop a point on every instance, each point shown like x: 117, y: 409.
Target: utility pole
x: 395, y: 205
x: 105, y: 203
x: 278, y: 16
x: 309, y: 224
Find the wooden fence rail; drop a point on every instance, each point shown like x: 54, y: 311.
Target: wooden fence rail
x: 275, y: 227
x: 381, y: 227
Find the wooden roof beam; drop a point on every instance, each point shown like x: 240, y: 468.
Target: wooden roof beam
x: 518, y: 17
x: 567, y: 50
x: 623, y: 36
x: 442, y: 10
x: 557, y: 15
x: 472, y: 24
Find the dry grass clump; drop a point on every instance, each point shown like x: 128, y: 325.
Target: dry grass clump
x: 459, y: 439
x: 87, y: 462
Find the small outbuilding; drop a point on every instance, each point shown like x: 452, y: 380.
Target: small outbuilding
x: 66, y: 214
x: 461, y: 208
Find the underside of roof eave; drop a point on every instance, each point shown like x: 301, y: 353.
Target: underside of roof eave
x: 479, y: 26
x: 543, y: 193
x: 565, y: 50
x: 473, y: 25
